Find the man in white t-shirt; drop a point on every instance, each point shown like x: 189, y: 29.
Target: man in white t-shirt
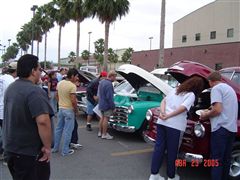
x: 223, y: 118
x: 5, y: 81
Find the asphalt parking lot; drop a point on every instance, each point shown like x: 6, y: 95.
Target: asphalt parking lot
x: 127, y: 157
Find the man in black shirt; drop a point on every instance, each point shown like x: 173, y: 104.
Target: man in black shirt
x: 26, y: 126
x: 92, y: 98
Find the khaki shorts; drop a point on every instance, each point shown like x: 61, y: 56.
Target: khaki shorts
x: 107, y: 113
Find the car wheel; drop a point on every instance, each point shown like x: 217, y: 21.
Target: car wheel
x: 234, y: 172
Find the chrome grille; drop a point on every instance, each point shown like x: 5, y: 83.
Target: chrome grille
x: 120, y: 115
x: 189, y: 130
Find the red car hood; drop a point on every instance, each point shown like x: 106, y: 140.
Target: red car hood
x: 185, y: 69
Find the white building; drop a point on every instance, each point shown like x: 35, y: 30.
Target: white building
x: 217, y: 22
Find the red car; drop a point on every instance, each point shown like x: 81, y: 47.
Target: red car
x: 233, y: 73
x: 195, y: 146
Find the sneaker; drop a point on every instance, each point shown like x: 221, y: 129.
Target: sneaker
x: 54, y: 151
x: 75, y: 146
x: 88, y: 127
x: 5, y: 163
x: 177, y: 177
x: 99, y: 134
x: 156, y: 177
x: 1, y: 157
x: 107, y: 136
x: 71, y: 151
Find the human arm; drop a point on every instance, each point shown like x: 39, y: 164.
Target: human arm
x: 73, y: 98
x: 179, y: 110
x: 216, y: 104
x: 162, y: 109
x: 187, y: 101
x: 92, y: 89
x: 56, y: 96
x: 49, y: 89
x: 45, y: 133
x: 109, y: 96
x: 215, y: 110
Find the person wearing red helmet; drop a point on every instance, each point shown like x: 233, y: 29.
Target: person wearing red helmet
x: 92, y: 98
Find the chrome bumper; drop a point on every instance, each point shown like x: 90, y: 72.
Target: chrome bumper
x: 148, y: 139
x: 189, y: 157
x: 123, y: 128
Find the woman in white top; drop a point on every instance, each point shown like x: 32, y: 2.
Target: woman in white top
x: 172, y: 120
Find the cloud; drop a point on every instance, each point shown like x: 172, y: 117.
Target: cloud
x: 133, y: 30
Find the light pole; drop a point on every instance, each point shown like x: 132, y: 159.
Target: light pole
x: 1, y: 49
x: 89, y: 37
x: 4, y: 48
x: 9, y: 42
x: 33, y: 8
x: 150, y: 38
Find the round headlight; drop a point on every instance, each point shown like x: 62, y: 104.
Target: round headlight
x: 130, y: 109
x: 199, y: 130
x: 149, y: 115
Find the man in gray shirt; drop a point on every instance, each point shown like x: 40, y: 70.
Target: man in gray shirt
x: 26, y: 124
x: 223, y: 118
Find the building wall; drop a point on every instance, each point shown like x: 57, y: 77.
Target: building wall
x: 227, y: 54
x: 218, y: 16
x: 145, y: 59
x: 66, y: 62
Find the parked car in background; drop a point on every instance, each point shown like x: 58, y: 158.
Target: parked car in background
x: 131, y: 107
x: 92, y: 69
x: 84, y: 79
x: 195, y: 145
x: 124, y: 87
x: 233, y: 73
x: 161, y: 73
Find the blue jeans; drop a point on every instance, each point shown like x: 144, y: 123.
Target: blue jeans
x: 74, y: 138
x: 221, y: 147
x: 167, y: 139
x: 1, y: 148
x: 64, y: 127
x: 90, y: 108
x: 53, y: 101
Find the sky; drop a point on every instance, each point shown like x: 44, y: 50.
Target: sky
x: 133, y: 30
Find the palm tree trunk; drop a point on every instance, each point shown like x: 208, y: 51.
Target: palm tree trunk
x: 37, y: 48
x: 59, y: 45
x: 77, y: 47
x: 45, y: 51
x: 162, y: 34
x: 107, y: 24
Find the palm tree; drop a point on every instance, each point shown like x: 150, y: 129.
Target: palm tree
x: 24, y: 37
x: 60, y: 10
x: 21, y: 41
x: 113, y: 57
x: 46, y: 23
x: 162, y: 34
x: 72, y: 57
x: 99, y: 50
x: 107, y: 12
x: 37, y: 31
x: 78, y: 14
x: 86, y: 55
x: 126, y: 57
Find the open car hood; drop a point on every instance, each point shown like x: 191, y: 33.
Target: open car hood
x: 85, y: 77
x: 182, y: 70
x: 139, y: 77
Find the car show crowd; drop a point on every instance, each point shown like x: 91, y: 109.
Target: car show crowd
x: 38, y: 108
